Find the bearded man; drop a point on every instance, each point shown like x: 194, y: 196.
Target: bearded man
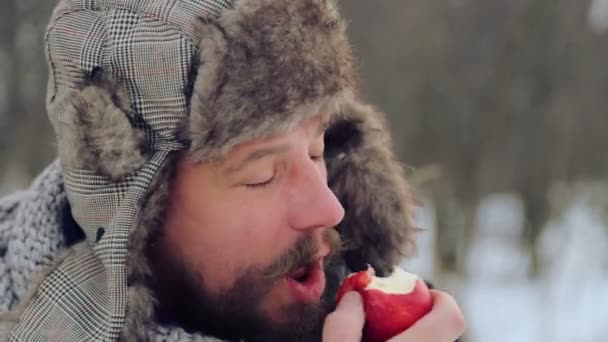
x: 217, y: 176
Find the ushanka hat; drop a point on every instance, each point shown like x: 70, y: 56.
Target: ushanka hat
x: 133, y: 82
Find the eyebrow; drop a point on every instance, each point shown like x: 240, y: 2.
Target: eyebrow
x: 266, y: 151
x: 257, y: 155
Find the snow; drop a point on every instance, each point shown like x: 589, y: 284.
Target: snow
x: 598, y: 15
x: 568, y: 302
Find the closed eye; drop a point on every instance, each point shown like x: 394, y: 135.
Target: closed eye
x: 260, y: 184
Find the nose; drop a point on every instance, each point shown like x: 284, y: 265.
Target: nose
x: 312, y: 203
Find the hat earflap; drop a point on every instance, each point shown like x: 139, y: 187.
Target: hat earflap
x: 369, y: 182
x: 96, y: 129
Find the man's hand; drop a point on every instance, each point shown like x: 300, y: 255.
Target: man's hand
x: 445, y: 322
x: 346, y: 323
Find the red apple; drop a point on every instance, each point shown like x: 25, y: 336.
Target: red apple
x: 391, y: 304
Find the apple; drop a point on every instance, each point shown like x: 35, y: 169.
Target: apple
x: 391, y: 304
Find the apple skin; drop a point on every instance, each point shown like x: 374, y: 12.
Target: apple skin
x: 387, y: 314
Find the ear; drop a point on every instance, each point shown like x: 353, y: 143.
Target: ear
x: 96, y: 130
x: 377, y: 228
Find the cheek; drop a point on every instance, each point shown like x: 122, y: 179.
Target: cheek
x: 225, y: 235
x: 259, y: 221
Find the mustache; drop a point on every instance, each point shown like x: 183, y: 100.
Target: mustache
x: 303, y: 253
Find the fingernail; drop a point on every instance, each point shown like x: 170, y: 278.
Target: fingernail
x: 350, y: 300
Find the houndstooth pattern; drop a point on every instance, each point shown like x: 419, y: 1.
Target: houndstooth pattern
x: 149, y: 45
x: 30, y: 239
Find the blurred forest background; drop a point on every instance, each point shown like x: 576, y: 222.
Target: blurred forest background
x: 498, y: 109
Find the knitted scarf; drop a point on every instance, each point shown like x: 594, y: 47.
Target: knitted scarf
x: 31, y: 238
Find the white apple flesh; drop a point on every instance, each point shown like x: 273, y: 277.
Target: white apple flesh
x: 399, y: 282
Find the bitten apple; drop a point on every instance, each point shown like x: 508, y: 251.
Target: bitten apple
x: 391, y: 304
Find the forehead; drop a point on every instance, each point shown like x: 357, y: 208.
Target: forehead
x: 304, y: 132
x: 310, y: 131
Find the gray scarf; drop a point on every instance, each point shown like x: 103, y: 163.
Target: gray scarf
x: 31, y: 238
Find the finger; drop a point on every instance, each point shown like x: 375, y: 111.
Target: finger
x: 445, y: 323
x: 346, y: 323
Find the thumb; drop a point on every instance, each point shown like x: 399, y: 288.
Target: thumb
x: 346, y: 323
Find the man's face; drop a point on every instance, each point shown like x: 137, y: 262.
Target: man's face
x: 245, y: 240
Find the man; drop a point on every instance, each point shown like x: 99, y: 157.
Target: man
x: 217, y: 178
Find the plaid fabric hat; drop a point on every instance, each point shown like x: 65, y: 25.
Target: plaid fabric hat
x: 132, y: 82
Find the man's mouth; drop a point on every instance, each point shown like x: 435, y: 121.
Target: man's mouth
x: 307, y: 283
x: 301, y: 274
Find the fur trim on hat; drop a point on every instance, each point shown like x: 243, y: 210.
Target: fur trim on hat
x: 369, y: 182
x: 95, y: 130
x: 265, y: 66
x: 146, y: 227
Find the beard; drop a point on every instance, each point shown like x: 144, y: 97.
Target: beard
x: 235, y: 313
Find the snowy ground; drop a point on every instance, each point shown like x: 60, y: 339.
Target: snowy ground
x: 569, y: 303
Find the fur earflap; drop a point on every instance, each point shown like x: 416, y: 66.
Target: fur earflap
x: 264, y: 66
x: 95, y: 130
x: 141, y: 311
x: 369, y: 182
x: 145, y: 229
